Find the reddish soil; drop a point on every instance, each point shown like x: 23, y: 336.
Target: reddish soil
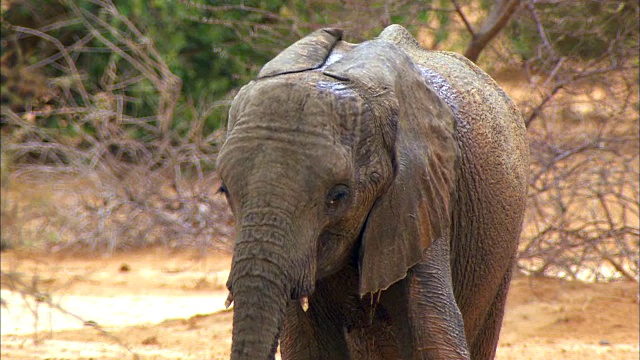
x: 170, y: 306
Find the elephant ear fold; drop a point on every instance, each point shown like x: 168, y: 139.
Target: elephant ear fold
x: 415, y: 210
x: 411, y: 214
x: 305, y: 54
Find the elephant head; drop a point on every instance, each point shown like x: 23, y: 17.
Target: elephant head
x: 336, y: 153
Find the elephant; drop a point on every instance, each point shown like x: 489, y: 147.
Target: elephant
x: 378, y: 191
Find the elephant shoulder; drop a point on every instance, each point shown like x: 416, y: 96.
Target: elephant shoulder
x: 456, y: 79
x: 489, y: 126
x: 483, y: 112
x: 463, y: 84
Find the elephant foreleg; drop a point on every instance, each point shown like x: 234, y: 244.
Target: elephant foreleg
x: 428, y: 319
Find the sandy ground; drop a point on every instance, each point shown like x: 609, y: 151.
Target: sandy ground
x: 165, y: 305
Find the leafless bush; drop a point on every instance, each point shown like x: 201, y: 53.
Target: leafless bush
x: 121, y: 180
x: 583, y: 211
x: 581, y: 109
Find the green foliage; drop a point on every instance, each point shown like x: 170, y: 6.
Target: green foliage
x: 444, y: 20
x: 604, y: 20
x: 208, y: 59
x: 584, y: 30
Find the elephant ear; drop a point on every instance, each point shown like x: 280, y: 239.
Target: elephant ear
x: 415, y: 210
x: 305, y: 54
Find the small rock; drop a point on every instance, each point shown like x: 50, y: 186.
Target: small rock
x: 124, y: 268
x: 153, y: 340
x: 604, y: 342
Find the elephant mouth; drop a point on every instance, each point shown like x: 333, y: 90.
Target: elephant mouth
x: 303, y: 299
x: 299, y: 293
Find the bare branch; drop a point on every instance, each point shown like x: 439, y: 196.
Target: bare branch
x: 464, y: 18
x: 499, y: 15
x: 31, y: 291
x: 70, y: 63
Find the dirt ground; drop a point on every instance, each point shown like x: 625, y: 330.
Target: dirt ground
x: 165, y: 305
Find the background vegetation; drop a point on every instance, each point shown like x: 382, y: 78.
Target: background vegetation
x: 118, y: 108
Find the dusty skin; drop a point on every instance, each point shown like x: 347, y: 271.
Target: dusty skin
x: 171, y: 306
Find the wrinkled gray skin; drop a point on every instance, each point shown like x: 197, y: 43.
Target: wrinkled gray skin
x: 385, y: 183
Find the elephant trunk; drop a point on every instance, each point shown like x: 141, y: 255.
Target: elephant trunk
x: 264, y: 277
x: 259, y: 306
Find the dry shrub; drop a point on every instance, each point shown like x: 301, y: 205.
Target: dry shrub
x: 580, y: 104
x: 582, y: 219
x: 120, y: 180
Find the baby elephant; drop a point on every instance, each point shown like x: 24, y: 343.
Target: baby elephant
x: 379, y: 191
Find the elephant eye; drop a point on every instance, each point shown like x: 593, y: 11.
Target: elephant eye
x: 338, y: 195
x: 223, y: 190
